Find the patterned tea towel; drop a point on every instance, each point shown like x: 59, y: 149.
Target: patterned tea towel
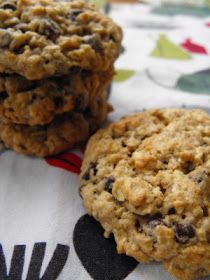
x: 45, y: 233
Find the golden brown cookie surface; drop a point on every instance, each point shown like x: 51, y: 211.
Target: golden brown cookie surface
x: 64, y: 132
x: 38, y: 102
x: 44, y: 38
x: 146, y: 178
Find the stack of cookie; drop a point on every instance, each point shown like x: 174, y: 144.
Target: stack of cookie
x: 56, y: 62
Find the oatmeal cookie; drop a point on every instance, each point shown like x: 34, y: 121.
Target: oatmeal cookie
x: 44, y: 38
x: 146, y: 178
x: 38, y: 102
x: 64, y: 132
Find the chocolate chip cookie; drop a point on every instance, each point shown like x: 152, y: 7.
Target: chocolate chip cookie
x: 38, y: 102
x: 146, y: 178
x: 45, y: 38
x: 64, y: 132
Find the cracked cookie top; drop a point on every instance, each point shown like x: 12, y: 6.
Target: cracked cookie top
x: 42, y: 38
x: 155, y: 159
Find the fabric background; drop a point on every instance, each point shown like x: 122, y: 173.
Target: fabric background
x: 40, y: 205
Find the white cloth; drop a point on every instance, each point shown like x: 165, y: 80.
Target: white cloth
x: 41, y: 204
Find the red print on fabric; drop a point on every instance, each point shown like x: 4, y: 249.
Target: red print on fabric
x: 67, y: 161
x: 208, y: 24
x: 193, y: 47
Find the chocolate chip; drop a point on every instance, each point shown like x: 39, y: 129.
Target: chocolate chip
x: 88, y: 113
x: 74, y: 14
x: 208, y: 236
x: 191, y: 231
x: 188, y: 166
x: 109, y: 181
x: 92, y: 166
x: 94, y: 41
x: 155, y: 220
x: 28, y: 86
x: 165, y: 161
x: 8, y: 6
x: 205, y: 211
x: 123, y: 144
x: 198, y: 179
x: 19, y: 50
x: 2, y: 75
x: 58, y: 101
x: 5, y: 39
x: 79, y: 102
x: 75, y: 70
x: 33, y: 97
x: 2, y: 145
x: 113, y: 38
x: 3, y: 95
x: 162, y: 189
x: 157, y: 216
x: 138, y: 226
x: 172, y: 211
x: 62, y: 81
x: 184, y: 232
x: 49, y: 28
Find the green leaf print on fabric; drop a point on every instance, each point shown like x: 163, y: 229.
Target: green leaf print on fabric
x: 207, y: 2
x: 98, y: 3
x: 173, y: 10
x: 123, y: 75
x: 198, y: 82
x: 167, y: 49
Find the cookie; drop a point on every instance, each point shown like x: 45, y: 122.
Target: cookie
x: 146, y: 179
x: 64, y: 132
x: 44, y: 38
x: 38, y: 102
